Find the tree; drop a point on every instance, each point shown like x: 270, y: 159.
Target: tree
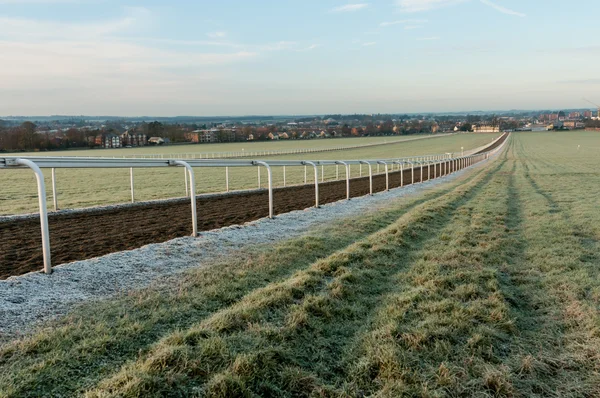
x: 466, y: 127
x: 155, y: 129
x: 346, y: 130
x: 28, y: 137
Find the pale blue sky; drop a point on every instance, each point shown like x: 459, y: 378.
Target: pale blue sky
x: 228, y: 57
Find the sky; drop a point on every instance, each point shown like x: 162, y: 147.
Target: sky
x: 295, y: 57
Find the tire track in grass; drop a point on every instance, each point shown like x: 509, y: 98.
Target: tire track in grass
x: 561, y: 273
x: 289, y: 338
x: 443, y: 333
x: 74, y: 353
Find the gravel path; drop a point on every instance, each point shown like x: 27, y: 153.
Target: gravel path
x: 35, y: 297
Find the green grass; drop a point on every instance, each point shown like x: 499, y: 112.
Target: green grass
x: 485, y: 287
x: 90, y: 187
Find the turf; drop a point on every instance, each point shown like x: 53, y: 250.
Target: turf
x: 486, y: 287
x: 90, y: 187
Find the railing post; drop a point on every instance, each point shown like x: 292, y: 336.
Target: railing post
x: 270, y: 182
x: 185, y: 176
x: 322, y: 173
x: 401, y: 173
x: 387, y: 176
x: 421, y: 179
x: 370, y: 176
x: 316, y: 181
x: 43, y: 212
x: 192, y: 193
x: 54, y: 196
x: 304, y: 175
x: 347, y: 177
x: 131, y: 183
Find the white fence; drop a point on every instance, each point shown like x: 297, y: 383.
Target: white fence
x: 445, y: 163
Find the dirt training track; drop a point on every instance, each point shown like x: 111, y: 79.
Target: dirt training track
x: 84, y: 235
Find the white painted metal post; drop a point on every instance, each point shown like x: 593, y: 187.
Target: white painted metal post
x: 370, y: 176
x: 185, y: 175
x: 401, y: 174
x: 270, y: 182
x: 347, y: 178
x: 421, y: 172
x: 54, y: 197
x: 322, y: 173
x: 43, y: 212
x: 316, y: 182
x: 192, y: 194
x: 226, y: 179
x: 412, y: 172
x: 387, y: 177
x: 337, y: 172
x: 131, y: 183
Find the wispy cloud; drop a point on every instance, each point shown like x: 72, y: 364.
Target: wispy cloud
x: 428, y: 38
x: 350, y: 7
x: 403, y: 21
x: 217, y: 35
x: 309, y: 48
x: 591, y: 81
x: 412, y: 27
x: 35, y: 29
x: 278, y: 46
x: 502, y: 9
x: 424, y: 5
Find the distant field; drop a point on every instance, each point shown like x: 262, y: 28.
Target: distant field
x: 487, y: 286
x: 251, y: 146
x: 87, y: 187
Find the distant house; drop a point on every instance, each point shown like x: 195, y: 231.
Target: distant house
x: 486, y: 129
x: 156, y: 141
x: 112, y: 140
x: 133, y: 138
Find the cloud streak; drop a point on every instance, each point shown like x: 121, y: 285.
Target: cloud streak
x: 350, y: 7
x: 503, y: 10
x: 424, y: 5
x: 403, y: 21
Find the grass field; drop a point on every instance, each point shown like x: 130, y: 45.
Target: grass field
x: 488, y: 286
x: 89, y: 187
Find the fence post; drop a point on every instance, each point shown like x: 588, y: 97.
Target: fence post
x: 401, y: 173
x: 54, y: 197
x: 270, y: 182
x: 316, y: 181
x: 370, y: 176
x: 185, y: 176
x: 39, y: 176
x: 347, y: 177
x: 192, y: 193
x: 322, y: 173
x: 387, y: 177
x: 131, y: 183
x: 304, y: 175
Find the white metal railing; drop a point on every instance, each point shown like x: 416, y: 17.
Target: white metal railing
x: 446, y: 163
